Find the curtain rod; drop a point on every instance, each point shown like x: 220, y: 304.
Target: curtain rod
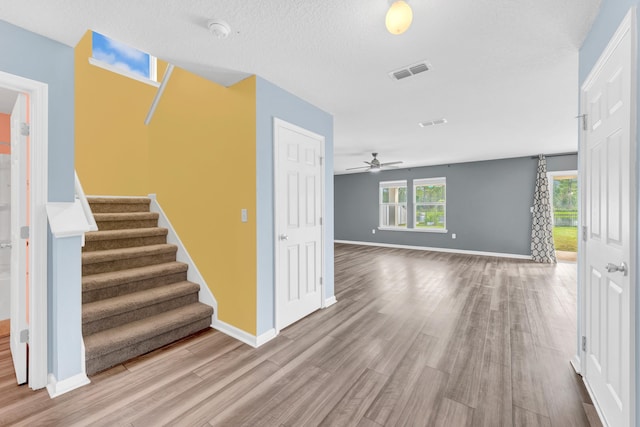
x: 556, y: 155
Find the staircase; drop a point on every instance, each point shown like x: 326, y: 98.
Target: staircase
x: 135, y: 295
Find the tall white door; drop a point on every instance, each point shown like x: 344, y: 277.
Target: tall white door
x: 298, y: 211
x: 608, y: 156
x: 19, y: 207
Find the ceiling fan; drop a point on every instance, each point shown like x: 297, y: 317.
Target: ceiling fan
x: 375, y: 165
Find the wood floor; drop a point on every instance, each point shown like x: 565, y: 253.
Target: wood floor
x: 416, y: 338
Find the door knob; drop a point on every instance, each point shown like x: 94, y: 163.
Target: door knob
x: 612, y: 268
x: 284, y: 237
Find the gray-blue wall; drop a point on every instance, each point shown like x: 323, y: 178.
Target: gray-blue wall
x: 488, y: 205
x: 611, y: 14
x: 272, y: 101
x: 26, y: 54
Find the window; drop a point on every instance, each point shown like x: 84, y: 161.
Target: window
x: 430, y: 197
x: 393, y: 204
x: 122, y: 59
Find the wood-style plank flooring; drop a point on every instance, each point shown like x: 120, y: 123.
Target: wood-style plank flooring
x: 416, y: 339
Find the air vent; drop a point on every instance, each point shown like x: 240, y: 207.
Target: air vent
x: 410, y: 70
x: 433, y: 122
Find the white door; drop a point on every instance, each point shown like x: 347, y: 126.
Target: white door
x: 19, y: 323
x: 608, y: 155
x: 298, y: 212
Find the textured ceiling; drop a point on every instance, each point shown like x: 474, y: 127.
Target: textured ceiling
x: 504, y: 72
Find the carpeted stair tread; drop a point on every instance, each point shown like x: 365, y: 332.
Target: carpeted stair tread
x: 117, y: 305
x: 123, y: 336
x: 89, y: 258
x: 114, y: 278
x: 124, y: 234
x: 125, y: 216
x: 118, y: 200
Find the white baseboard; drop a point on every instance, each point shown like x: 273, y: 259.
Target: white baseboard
x: 193, y: 274
x: 57, y: 388
x: 245, y: 337
x: 266, y: 337
x: 425, y: 248
x: 575, y: 364
x: 330, y: 301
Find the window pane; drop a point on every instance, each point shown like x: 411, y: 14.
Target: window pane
x: 121, y: 56
x: 430, y: 193
x: 393, y: 216
x: 385, y: 195
x: 430, y: 216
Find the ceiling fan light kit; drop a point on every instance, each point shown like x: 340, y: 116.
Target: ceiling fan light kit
x: 399, y: 17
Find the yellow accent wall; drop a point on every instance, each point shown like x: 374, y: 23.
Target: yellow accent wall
x: 198, y: 155
x: 203, y: 170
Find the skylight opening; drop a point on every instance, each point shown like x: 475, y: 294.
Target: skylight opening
x: 123, y: 58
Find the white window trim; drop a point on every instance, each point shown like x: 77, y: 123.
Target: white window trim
x: 153, y: 69
x: 391, y: 184
x: 430, y: 181
x: 415, y: 230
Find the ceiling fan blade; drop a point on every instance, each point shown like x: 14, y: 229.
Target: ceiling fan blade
x: 390, y: 163
x: 361, y: 167
x: 369, y: 163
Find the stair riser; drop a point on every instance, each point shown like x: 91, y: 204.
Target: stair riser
x: 118, y: 207
x: 101, y: 245
x: 128, y: 224
x: 132, y: 286
x: 100, y: 363
x: 123, y: 264
x: 96, y: 325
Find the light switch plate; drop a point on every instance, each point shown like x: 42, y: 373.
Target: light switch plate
x: 243, y: 215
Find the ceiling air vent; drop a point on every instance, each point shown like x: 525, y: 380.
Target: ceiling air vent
x: 433, y: 122
x: 410, y: 70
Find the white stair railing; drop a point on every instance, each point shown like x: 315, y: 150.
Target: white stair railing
x: 86, y: 209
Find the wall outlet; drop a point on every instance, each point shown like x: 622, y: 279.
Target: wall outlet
x: 531, y: 209
x: 453, y: 235
x: 243, y: 215
x: 373, y: 231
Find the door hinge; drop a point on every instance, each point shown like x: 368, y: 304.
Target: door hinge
x: 321, y: 160
x: 585, y: 233
x: 320, y: 220
x: 584, y: 121
x: 584, y: 343
x: 321, y: 280
x: 25, y: 129
x: 24, y: 232
x: 24, y: 335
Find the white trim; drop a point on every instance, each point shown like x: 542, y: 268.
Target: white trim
x: 100, y: 64
x: 39, y: 115
x: 277, y: 123
x: 193, y: 274
x: 266, y: 337
x: 57, y: 388
x: 80, y: 196
x: 627, y: 25
x: 430, y: 249
x: 562, y: 173
x: 603, y: 421
x: 67, y: 219
x: 575, y: 364
x: 330, y: 301
x: 244, y: 336
x: 156, y: 98
x: 415, y: 230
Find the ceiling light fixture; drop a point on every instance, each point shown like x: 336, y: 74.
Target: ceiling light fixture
x: 399, y: 17
x: 218, y: 28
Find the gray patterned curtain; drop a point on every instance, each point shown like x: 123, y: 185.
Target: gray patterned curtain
x: 542, y: 248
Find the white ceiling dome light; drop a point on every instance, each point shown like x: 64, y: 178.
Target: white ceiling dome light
x: 218, y: 28
x: 399, y: 17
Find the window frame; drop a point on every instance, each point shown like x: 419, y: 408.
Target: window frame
x: 421, y: 182
x: 381, y: 205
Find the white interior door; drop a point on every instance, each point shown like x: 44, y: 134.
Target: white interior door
x: 298, y: 218
x: 19, y: 322
x: 609, y: 205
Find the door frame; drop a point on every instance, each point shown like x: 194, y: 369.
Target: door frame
x: 277, y: 124
x: 38, y: 167
x: 628, y: 24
